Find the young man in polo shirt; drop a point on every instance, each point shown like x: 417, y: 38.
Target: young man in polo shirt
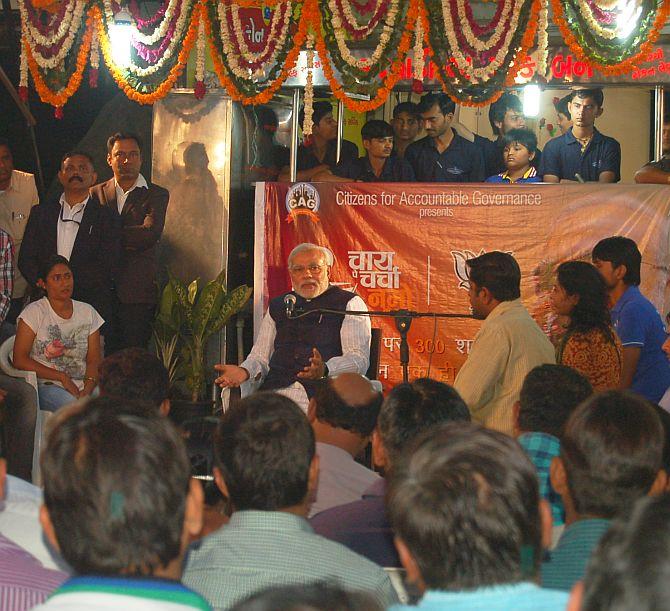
x: 582, y: 154
x: 645, y: 368
x: 120, y: 505
x: 443, y: 155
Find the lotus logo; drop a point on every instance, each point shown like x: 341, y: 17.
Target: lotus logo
x: 460, y: 267
x: 461, y: 257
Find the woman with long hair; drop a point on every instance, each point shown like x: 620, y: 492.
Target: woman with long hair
x: 590, y: 344
x: 59, y: 339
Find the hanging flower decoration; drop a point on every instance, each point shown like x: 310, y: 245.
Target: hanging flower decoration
x: 200, y: 89
x: 307, y: 123
x: 477, y: 78
x: 474, y: 60
x: 612, y: 38
x: 252, y: 86
x: 543, y: 40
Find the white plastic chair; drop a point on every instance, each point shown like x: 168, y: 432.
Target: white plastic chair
x: 6, y: 351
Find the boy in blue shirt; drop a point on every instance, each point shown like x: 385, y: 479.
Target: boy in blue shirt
x: 645, y: 368
x: 519, y: 150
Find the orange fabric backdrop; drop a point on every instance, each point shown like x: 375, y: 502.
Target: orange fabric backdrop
x: 405, y: 246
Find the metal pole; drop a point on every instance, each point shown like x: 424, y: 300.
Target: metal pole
x: 340, y: 127
x: 658, y: 121
x: 294, y: 134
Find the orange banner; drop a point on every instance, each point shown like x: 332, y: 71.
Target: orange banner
x: 404, y: 246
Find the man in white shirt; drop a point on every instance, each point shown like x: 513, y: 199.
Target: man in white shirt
x: 293, y: 351
x: 141, y: 207
x: 78, y: 228
x: 508, y: 345
x: 18, y: 194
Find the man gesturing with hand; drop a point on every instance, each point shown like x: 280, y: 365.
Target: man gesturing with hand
x: 293, y: 351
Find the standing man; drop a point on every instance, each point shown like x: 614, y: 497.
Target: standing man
x: 142, y: 208
x: 443, y: 155
x: 505, y: 114
x: 508, y: 345
x: 18, y: 194
x: 79, y: 229
x: 290, y: 353
x: 406, y: 123
x: 319, y: 153
x: 645, y: 368
x: 582, y: 154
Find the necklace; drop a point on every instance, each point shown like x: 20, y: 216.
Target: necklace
x: 584, y: 142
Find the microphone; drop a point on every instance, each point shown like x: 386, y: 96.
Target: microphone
x: 289, y: 302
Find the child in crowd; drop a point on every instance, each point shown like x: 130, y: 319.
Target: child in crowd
x: 519, y: 150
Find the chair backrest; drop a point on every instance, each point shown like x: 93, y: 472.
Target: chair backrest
x: 6, y: 351
x: 375, y: 349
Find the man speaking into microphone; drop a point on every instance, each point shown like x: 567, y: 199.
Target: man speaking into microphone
x: 297, y: 342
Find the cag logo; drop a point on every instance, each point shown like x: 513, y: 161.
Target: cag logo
x: 302, y: 198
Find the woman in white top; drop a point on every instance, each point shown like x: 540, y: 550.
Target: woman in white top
x: 59, y: 339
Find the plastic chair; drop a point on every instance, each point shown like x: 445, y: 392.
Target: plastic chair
x: 6, y: 351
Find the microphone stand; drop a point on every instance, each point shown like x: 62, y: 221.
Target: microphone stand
x: 403, y: 321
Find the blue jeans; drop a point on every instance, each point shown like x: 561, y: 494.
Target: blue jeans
x: 53, y: 396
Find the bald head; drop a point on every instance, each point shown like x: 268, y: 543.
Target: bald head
x: 348, y: 402
x: 354, y: 389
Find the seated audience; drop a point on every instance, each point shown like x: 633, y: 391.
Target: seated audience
x: 269, y: 157
x: 507, y: 346
x: 59, y: 339
x: 24, y: 581
x: 378, y: 164
x: 470, y: 525
x: 343, y: 414
x: 406, y: 123
x: 582, y: 154
x: 629, y: 569
x: 590, y: 344
x: 563, y: 118
x: 120, y: 505
x: 505, y: 115
x: 311, y: 597
x: 645, y: 368
x: 548, y: 396
x: 658, y: 172
x: 319, y: 152
x: 519, y: 151
x: 408, y: 410
x: 443, y: 155
x: 611, y: 455
x: 267, y: 466
x: 138, y: 375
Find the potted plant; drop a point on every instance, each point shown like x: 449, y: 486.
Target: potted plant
x: 187, y: 317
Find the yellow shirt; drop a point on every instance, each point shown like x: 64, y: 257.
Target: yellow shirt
x: 508, y: 345
x: 15, y: 205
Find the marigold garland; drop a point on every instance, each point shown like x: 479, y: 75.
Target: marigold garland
x: 59, y: 98
x: 264, y: 96
x: 39, y: 42
x: 614, y: 69
x: 172, y: 76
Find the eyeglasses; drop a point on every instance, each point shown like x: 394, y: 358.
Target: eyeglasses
x: 300, y: 269
x: 78, y: 222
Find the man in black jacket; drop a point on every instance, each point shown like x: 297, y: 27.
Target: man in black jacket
x: 78, y: 228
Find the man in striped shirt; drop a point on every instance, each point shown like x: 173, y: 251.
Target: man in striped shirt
x: 24, y: 582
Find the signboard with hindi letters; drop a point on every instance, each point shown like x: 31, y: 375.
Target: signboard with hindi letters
x: 405, y: 246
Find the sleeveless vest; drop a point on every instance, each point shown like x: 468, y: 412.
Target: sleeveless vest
x: 297, y: 336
